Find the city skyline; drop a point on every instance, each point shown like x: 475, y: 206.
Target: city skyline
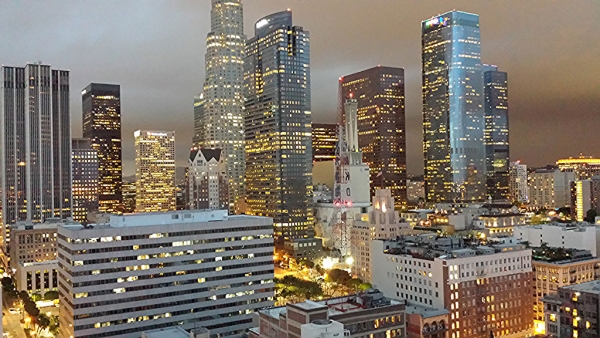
x: 533, y: 97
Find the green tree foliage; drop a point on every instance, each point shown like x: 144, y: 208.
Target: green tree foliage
x: 54, y: 325
x: 31, y: 308
x: 51, y: 295
x: 290, y: 289
x: 36, y: 297
x: 338, y: 276
x: 43, y: 322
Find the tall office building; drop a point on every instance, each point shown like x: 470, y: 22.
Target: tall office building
x: 278, y: 126
x: 496, y: 133
x: 518, y: 182
x: 453, y: 114
x: 206, y: 184
x: 584, y: 197
x: 583, y: 167
x: 155, y: 171
x: 35, y: 139
x: 133, y: 273
x: 85, y: 179
x: 324, y: 141
x: 102, y: 126
x: 219, y: 120
x: 381, y: 125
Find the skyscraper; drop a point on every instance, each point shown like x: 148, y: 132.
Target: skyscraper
x: 155, y: 170
x: 518, y: 182
x: 102, y: 126
x: 381, y: 126
x: 278, y: 126
x: 453, y: 114
x: 496, y: 133
x: 324, y: 141
x: 35, y: 139
x: 219, y: 121
x: 85, y: 179
x: 207, y: 184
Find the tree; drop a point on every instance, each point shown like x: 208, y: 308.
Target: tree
x: 354, y: 283
x: 43, y: 322
x: 54, y: 325
x: 31, y: 308
x: 51, y: 295
x: 338, y: 276
x: 590, y: 216
x: 36, y: 297
x: 7, y: 282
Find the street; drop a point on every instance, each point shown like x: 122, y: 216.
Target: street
x: 12, y: 325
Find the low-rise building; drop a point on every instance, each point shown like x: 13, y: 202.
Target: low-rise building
x: 574, y: 311
x: 367, y: 314
x: 486, y: 288
x: 554, y: 268
x: 33, y: 255
x: 426, y: 322
x: 129, y: 274
x: 577, y: 235
x: 176, y: 332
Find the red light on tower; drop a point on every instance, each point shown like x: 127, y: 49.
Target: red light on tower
x: 351, y: 95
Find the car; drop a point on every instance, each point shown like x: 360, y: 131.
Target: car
x: 14, y: 311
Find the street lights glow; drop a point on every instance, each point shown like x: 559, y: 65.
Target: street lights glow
x: 328, y: 263
x: 349, y: 260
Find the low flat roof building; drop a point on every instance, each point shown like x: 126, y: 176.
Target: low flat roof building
x: 367, y: 314
x: 582, y: 236
x: 176, y: 332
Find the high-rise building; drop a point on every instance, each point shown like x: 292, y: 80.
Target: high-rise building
x: 550, y: 188
x: 219, y: 120
x: 584, y: 198
x: 487, y: 289
x: 85, y: 179
x: 583, y: 167
x: 35, y: 139
x: 496, y: 133
x: 155, y: 171
x: 102, y: 126
x: 518, y: 182
x: 278, y: 126
x: 381, y: 125
x: 453, y: 114
x: 207, y: 184
x: 324, y: 141
x: 134, y: 273
x: 129, y: 196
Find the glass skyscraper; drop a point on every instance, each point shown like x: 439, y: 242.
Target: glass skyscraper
x: 278, y: 126
x: 85, y: 179
x: 35, y: 139
x: 219, y: 121
x: 101, y: 105
x: 379, y: 92
x: 324, y: 141
x: 496, y: 133
x: 453, y: 114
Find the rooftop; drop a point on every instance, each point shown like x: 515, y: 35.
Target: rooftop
x: 560, y: 255
x: 425, y: 312
x: 160, y: 218
x: 369, y: 299
x: 582, y: 226
x: 589, y: 287
x: 171, y: 332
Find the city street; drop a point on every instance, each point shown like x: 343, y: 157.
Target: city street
x: 12, y: 326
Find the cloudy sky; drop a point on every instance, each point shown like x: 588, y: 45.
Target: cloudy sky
x: 155, y: 50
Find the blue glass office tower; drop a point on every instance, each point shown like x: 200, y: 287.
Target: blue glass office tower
x: 496, y: 132
x: 453, y: 114
x: 277, y: 123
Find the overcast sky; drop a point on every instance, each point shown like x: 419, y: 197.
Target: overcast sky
x: 155, y: 50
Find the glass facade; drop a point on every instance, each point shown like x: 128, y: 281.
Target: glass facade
x: 218, y: 111
x: 154, y: 171
x: 85, y: 179
x: 453, y: 114
x: 496, y: 133
x: 324, y: 141
x: 35, y: 134
x: 379, y: 92
x: 102, y: 126
x: 278, y: 126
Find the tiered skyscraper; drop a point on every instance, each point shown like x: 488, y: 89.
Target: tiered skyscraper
x: 453, y: 114
x: 381, y: 126
x: 278, y: 126
x: 102, y: 126
x: 35, y: 139
x: 219, y: 110
x: 155, y: 171
x: 496, y: 133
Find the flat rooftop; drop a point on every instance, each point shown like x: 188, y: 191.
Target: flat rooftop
x: 589, y: 287
x: 171, y: 332
x: 161, y: 218
x: 425, y: 312
x: 335, y: 306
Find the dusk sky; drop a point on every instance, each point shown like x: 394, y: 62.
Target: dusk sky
x: 155, y: 50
